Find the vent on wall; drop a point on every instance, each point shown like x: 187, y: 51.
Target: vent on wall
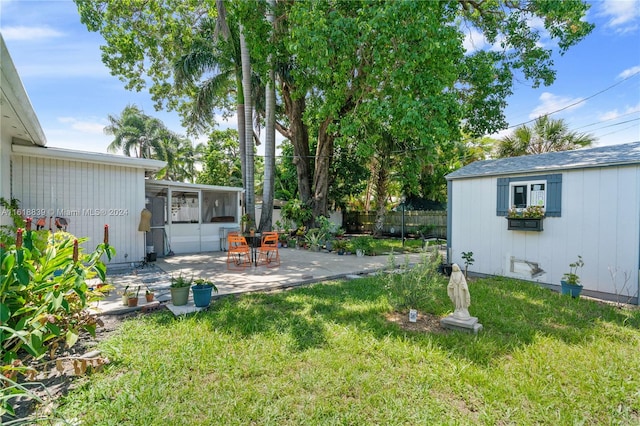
x: 525, y: 268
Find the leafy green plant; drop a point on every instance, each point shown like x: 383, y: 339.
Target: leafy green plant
x: 468, y: 261
x: 43, y: 299
x: 314, y: 237
x: 297, y: 212
x: 362, y: 242
x: 180, y: 281
x: 339, y: 244
x: 207, y: 283
x: 327, y: 228
x: 426, y: 230
x: 414, y: 288
x: 572, y: 277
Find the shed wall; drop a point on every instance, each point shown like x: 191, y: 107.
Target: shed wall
x: 89, y: 196
x: 600, y: 220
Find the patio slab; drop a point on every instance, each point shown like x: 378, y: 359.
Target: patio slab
x: 297, y: 267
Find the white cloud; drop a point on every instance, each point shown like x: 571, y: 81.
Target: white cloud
x: 29, y: 33
x: 622, y: 15
x: 83, y: 126
x: 551, y: 103
x: 613, y: 114
x: 629, y: 72
x: 474, y: 40
x: 227, y: 122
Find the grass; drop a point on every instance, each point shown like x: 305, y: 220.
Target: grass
x: 326, y: 355
x: 381, y: 246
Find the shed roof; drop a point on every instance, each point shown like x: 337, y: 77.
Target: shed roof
x: 89, y: 157
x: 18, y: 116
x: 611, y: 155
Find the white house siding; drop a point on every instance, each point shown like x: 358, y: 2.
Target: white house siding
x: 600, y: 220
x: 5, y: 171
x: 88, y: 195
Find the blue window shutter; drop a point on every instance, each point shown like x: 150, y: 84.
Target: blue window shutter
x: 503, y: 197
x: 554, y: 195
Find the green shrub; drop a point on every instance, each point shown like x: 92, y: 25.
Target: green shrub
x: 43, y: 299
x: 414, y: 288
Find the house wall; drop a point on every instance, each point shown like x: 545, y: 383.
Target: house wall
x: 5, y: 171
x: 600, y: 220
x: 88, y: 195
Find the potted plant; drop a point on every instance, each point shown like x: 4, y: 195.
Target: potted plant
x: 180, y: 290
x: 125, y: 296
x: 340, y: 246
x: 300, y: 236
x: 283, y: 239
x: 314, y: 238
x: 361, y: 245
x: 202, y: 290
x: 570, y: 283
x: 292, y: 242
x: 132, y: 298
x: 148, y: 294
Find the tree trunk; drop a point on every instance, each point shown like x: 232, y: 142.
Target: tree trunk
x: 382, y: 185
x: 324, y: 153
x: 241, y: 144
x: 294, y: 109
x: 268, y: 188
x: 250, y: 200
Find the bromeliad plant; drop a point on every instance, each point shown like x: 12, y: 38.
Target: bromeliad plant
x: 43, y: 298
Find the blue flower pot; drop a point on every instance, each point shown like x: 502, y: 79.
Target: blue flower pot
x: 202, y: 295
x: 572, y: 290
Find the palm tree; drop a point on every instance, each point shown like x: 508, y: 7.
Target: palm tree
x: 222, y: 54
x: 137, y: 133
x: 181, y: 157
x: 546, y: 135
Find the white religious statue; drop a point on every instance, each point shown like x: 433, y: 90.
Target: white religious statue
x: 459, y: 293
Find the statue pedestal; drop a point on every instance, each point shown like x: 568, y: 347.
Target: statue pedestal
x: 470, y: 324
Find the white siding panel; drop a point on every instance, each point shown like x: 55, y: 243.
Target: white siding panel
x: 88, y: 196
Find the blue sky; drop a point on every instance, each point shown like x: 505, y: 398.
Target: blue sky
x: 72, y: 92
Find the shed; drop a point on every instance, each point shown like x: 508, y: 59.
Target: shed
x: 591, y: 199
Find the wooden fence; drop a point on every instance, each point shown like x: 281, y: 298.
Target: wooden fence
x: 359, y: 222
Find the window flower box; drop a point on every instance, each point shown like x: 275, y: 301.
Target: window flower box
x: 529, y: 219
x: 524, y: 224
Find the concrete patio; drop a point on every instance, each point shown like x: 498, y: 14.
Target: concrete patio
x: 297, y: 267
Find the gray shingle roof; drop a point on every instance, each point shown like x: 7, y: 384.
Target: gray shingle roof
x: 611, y: 155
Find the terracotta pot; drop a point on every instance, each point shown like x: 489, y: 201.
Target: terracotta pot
x: 149, y: 297
x: 132, y: 301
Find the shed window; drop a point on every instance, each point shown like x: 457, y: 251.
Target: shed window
x: 525, y: 194
x: 522, y: 192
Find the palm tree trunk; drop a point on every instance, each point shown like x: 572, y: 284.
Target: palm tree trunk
x: 250, y: 201
x: 266, y: 217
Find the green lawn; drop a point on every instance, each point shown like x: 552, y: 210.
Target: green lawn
x: 325, y: 354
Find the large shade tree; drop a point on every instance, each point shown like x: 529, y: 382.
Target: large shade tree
x: 338, y: 63
x: 403, y: 64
